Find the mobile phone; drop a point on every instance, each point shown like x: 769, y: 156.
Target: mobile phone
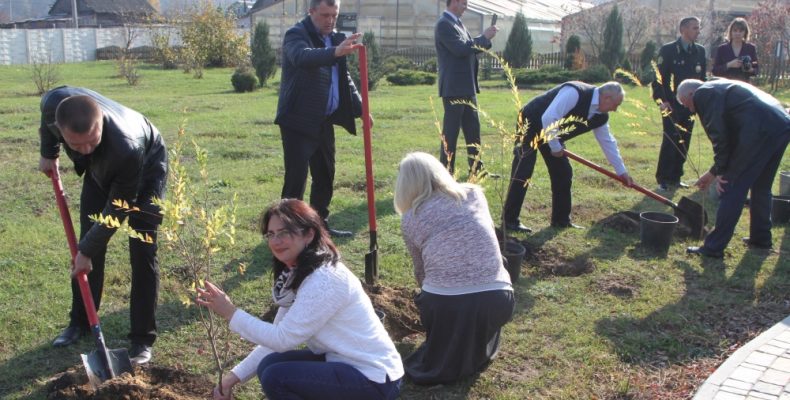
x: 493, y: 20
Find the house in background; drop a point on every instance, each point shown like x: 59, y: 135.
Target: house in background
x: 400, y: 24
x: 92, y: 13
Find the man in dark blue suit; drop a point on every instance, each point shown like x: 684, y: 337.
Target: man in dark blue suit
x: 458, y: 81
x: 749, y: 130
x: 316, y: 93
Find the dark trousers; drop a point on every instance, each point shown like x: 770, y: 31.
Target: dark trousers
x: 457, y: 117
x: 462, y: 334
x: 560, y: 172
x: 674, y: 146
x: 302, y: 375
x: 759, y: 177
x: 142, y: 256
x: 303, y: 152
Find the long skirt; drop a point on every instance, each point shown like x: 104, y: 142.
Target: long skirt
x: 462, y: 334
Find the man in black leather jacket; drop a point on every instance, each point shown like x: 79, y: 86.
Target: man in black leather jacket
x: 316, y: 93
x: 121, y: 156
x: 749, y: 130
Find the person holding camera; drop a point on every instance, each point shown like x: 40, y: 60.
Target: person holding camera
x: 736, y: 58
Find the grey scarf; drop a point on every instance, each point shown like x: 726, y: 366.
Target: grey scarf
x: 282, y: 293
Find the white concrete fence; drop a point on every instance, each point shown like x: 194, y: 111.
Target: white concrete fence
x: 59, y: 45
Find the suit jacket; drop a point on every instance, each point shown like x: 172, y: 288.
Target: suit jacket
x: 725, y: 54
x: 741, y: 122
x: 306, y: 78
x: 129, y: 163
x: 675, y: 65
x: 457, y: 58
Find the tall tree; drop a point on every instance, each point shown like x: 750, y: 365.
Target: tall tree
x: 263, y: 57
x: 769, y: 21
x: 518, y: 49
x: 612, y: 51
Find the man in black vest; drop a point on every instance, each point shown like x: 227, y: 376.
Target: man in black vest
x: 121, y: 156
x: 677, y: 61
x: 562, y: 113
x: 316, y: 92
x: 749, y: 130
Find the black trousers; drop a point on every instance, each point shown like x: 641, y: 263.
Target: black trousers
x: 142, y: 256
x: 560, y: 172
x: 303, y: 152
x: 674, y: 145
x: 457, y: 117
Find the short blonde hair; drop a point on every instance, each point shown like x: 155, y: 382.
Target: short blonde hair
x: 419, y: 175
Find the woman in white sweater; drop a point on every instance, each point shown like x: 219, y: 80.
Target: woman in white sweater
x: 349, y: 354
x: 466, y: 294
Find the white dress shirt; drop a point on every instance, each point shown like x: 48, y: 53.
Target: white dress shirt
x: 562, y: 104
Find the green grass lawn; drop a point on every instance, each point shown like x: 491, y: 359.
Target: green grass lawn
x: 632, y: 326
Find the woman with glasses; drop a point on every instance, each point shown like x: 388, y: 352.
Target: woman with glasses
x: 321, y: 303
x: 466, y: 294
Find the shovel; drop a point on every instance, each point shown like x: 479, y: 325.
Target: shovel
x: 371, y: 258
x: 690, y: 213
x: 101, y: 364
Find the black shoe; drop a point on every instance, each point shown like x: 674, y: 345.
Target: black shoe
x: 566, y: 225
x: 338, y: 233
x: 704, y: 252
x: 663, y: 187
x: 69, y: 336
x: 139, y: 354
x: 517, y: 227
x: 754, y: 245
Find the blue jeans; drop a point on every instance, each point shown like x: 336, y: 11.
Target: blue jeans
x: 300, y: 374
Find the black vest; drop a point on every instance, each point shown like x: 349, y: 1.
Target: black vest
x: 534, y: 110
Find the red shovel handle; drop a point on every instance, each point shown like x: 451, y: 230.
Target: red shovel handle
x: 68, y: 226
x: 363, y: 83
x: 614, y: 176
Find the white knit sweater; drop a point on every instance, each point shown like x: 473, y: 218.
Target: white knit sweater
x: 333, y: 316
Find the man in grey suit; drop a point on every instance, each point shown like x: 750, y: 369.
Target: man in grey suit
x: 458, y: 81
x: 316, y: 93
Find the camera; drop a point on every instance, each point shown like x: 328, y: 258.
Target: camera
x: 746, y: 63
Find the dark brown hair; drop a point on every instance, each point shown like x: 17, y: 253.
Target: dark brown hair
x: 738, y: 23
x: 687, y: 20
x: 298, y: 218
x: 77, y: 113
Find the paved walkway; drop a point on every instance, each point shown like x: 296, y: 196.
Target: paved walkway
x: 760, y: 370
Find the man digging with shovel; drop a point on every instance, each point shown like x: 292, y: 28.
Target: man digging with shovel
x: 121, y: 156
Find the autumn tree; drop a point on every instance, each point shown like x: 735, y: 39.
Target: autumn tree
x: 768, y: 26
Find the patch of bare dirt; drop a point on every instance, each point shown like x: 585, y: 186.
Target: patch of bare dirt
x: 553, y: 264
x: 619, y: 286
x: 623, y: 222
x: 401, y: 316
x: 147, y: 383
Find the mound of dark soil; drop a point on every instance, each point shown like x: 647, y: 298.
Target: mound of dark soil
x: 401, y: 316
x: 623, y: 222
x: 148, y: 383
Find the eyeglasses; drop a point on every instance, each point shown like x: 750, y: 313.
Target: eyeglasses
x: 280, y: 235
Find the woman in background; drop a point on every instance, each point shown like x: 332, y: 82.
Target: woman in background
x: 466, y: 294
x: 349, y: 355
x: 736, y: 58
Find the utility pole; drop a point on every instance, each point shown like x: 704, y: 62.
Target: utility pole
x: 74, y: 13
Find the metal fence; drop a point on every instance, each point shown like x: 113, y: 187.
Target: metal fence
x: 422, y: 55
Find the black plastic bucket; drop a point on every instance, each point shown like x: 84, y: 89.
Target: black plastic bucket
x: 656, y: 229
x: 784, y: 183
x: 780, y: 210
x: 514, y: 256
